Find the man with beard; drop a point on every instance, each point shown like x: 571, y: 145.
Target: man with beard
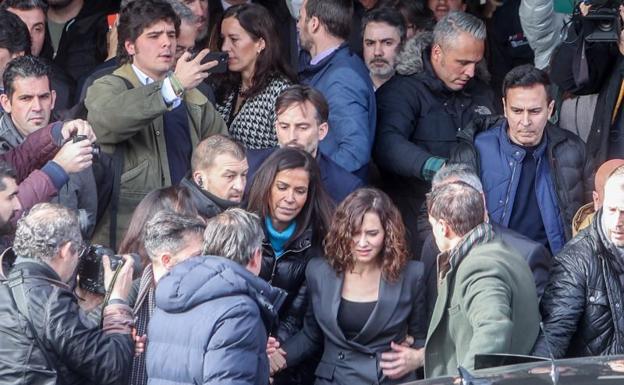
x: 200, y: 11
x: 384, y: 34
x: 341, y: 76
x: 301, y: 121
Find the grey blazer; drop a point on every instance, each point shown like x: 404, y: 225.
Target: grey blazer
x: 400, y: 310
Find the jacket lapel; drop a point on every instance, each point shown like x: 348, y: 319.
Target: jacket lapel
x: 389, y: 295
x: 333, y: 285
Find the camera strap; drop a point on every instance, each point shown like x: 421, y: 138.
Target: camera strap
x: 17, y: 294
x: 108, y: 293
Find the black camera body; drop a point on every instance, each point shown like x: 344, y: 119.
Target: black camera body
x: 95, y: 148
x: 604, y: 15
x: 91, y: 267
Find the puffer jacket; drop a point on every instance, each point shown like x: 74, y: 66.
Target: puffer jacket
x: 288, y: 272
x: 79, y: 354
x: 582, y: 307
x: 569, y: 171
x: 212, y: 314
x: 418, y: 117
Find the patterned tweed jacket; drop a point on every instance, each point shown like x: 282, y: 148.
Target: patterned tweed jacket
x: 254, y: 124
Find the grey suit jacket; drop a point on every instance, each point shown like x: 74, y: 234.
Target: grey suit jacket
x: 400, y: 310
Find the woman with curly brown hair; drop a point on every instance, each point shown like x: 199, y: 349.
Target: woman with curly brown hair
x: 366, y: 299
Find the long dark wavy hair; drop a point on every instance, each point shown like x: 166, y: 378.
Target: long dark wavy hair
x: 173, y: 198
x: 259, y: 24
x: 347, y: 221
x: 318, y: 206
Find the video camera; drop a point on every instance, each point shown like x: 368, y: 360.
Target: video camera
x: 604, y: 15
x: 91, y: 267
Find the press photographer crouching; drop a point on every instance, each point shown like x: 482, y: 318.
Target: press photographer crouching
x: 42, y: 337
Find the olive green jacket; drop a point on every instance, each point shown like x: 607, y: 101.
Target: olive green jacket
x: 486, y: 303
x: 133, y: 119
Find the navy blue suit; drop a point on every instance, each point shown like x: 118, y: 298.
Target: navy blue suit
x: 337, y: 181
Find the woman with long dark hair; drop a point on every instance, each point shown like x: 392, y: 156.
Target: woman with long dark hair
x: 257, y: 74
x: 367, y: 307
x: 287, y: 193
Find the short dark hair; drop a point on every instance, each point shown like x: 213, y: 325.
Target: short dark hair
x: 6, y: 171
x: 24, y: 5
x: 138, y: 15
x: 24, y: 67
x: 386, y: 15
x: 416, y: 14
x: 525, y: 76
x: 335, y: 15
x: 299, y: 94
x: 458, y: 204
x: 14, y: 35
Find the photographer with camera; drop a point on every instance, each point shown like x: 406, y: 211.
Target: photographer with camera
x: 28, y: 103
x: 42, y: 337
x: 591, y: 60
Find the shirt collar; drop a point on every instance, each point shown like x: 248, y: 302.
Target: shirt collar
x: 322, y: 55
x: 143, y: 78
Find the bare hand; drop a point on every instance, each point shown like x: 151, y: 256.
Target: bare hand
x: 78, y: 127
x: 191, y: 72
x: 584, y: 8
x: 123, y: 284
x: 272, y: 345
x: 139, y: 342
x: 277, y: 361
x: 74, y: 157
x: 401, y: 360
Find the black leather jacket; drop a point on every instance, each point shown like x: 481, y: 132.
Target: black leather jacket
x: 582, y: 304
x: 79, y: 354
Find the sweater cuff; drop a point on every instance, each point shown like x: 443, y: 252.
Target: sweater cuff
x: 431, y: 166
x: 56, y: 173
x: 117, y: 319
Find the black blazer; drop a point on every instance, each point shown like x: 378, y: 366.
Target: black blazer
x: 400, y: 310
x: 337, y: 181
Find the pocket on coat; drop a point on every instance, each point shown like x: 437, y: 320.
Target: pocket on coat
x: 453, y: 310
x: 134, y: 172
x: 597, y: 297
x: 325, y: 371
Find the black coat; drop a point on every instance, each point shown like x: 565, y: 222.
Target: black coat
x: 288, y: 273
x: 83, y: 42
x: 535, y: 254
x: 79, y: 354
x: 207, y: 204
x: 418, y: 117
x: 604, y: 73
x: 582, y: 307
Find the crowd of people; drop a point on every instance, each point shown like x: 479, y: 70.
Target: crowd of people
x: 299, y: 192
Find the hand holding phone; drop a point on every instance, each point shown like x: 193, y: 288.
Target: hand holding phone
x: 192, y: 69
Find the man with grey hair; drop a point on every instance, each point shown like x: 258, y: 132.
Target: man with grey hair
x: 486, y: 299
x: 435, y: 93
x: 536, y: 255
x: 41, y: 326
x: 169, y: 239
x: 214, y: 310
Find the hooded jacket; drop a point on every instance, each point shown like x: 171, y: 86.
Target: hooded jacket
x: 418, y: 117
x: 213, y: 315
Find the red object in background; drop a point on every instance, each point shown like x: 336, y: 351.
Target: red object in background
x: 112, y: 18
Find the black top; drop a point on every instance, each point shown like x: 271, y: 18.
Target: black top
x: 352, y: 316
x: 526, y: 217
